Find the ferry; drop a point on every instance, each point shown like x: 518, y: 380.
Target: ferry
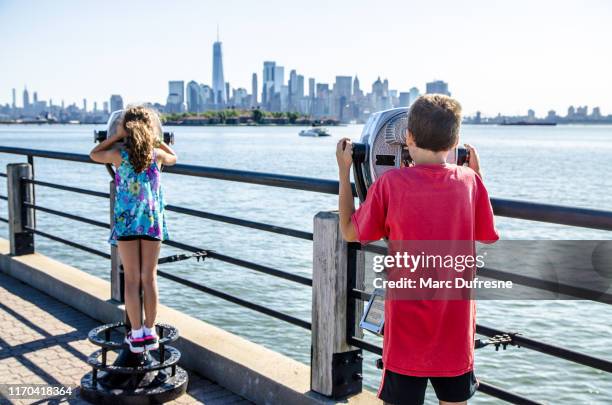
x: 315, y: 132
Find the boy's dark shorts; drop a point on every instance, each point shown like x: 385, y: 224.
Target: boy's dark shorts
x: 399, y: 389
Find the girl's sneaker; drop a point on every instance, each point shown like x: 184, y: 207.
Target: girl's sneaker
x: 151, y: 341
x: 137, y: 345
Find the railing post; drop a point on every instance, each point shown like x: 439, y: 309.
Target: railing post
x: 116, y: 272
x: 335, y: 365
x: 20, y: 217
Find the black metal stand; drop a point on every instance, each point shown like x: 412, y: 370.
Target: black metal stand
x: 144, y: 378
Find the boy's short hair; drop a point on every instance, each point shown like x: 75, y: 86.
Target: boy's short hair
x: 434, y: 122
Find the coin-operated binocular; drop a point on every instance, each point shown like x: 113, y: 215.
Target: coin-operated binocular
x: 116, y: 119
x: 383, y: 147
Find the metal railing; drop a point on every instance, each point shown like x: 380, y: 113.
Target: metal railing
x: 571, y: 216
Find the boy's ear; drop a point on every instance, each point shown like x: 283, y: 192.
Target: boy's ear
x: 409, y: 138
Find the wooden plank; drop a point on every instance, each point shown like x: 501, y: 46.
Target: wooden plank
x: 329, y: 299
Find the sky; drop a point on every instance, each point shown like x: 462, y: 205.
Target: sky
x: 497, y: 56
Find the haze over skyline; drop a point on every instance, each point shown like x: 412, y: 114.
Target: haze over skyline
x: 496, y: 57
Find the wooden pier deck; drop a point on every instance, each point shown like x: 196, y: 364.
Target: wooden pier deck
x: 44, y: 341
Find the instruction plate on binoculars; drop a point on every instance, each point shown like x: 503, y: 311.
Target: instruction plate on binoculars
x: 373, y: 319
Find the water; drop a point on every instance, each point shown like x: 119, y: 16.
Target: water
x: 560, y: 165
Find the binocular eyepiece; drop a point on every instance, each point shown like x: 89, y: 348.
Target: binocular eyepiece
x: 101, y: 135
x: 382, y: 147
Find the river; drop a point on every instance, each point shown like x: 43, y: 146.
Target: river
x: 559, y: 165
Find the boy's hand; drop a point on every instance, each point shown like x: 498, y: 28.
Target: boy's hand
x: 474, y: 159
x: 344, y: 154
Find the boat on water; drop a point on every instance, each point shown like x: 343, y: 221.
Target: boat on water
x: 315, y: 132
x: 529, y: 123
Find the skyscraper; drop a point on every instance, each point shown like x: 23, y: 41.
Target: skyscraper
x: 193, y: 97
x: 267, y: 83
x: 342, y: 87
x: 26, y: 98
x: 292, y: 90
x: 84, y: 105
x: 254, y: 90
x: 218, y: 81
x: 14, y: 104
x: 311, y: 87
x: 176, y: 96
x: 300, y: 86
x: 414, y: 94
x: 279, y: 78
x: 116, y: 103
x: 356, y: 88
x: 437, y: 87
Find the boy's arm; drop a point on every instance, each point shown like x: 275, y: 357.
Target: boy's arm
x: 346, y: 201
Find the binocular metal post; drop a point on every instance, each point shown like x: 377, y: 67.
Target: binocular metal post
x: 133, y: 378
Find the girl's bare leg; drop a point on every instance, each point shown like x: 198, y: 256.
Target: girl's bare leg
x: 148, y: 276
x: 129, y: 251
x: 453, y: 403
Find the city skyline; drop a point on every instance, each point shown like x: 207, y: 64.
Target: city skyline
x: 498, y: 57
x: 343, y: 100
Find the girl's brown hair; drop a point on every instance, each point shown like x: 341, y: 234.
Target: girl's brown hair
x: 140, y: 124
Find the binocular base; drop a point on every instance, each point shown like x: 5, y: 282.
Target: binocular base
x: 161, y: 388
x: 133, y: 378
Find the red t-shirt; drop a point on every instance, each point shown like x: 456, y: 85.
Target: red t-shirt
x: 428, y: 338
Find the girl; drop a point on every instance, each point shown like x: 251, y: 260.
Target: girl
x: 139, y: 223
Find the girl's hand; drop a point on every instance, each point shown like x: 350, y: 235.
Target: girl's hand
x: 120, y: 133
x: 474, y: 159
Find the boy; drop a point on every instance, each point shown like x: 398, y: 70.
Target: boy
x: 430, y: 201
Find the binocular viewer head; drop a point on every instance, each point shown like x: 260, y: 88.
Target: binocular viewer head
x: 382, y: 147
x: 116, y: 119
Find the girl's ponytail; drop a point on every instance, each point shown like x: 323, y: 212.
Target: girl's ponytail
x: 138, y: 122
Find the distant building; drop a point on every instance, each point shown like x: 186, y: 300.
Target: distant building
x: 300, y: 86
x: 267, y: 84
x: 311, y: 87
x: 218, y: 81
x: 254, y: 90
x: 14, y: 103
x: 404, y: 99
x: 116, y: 103
x: 279, y: 78
x: 105, y: 107
x: 26, y: 99
x: 176, y: 96
x: 84, y: 105
x: 437, y: 87
x: 227, y: 92
x: 193, y: 97
x: 414, y: 94
x: 206, y: 97
x: 357, y: 93
x: 292, y: 90
x: 343, y: 86
x: 240, y: 98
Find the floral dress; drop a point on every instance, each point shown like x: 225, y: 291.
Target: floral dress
x: 139, y: 202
